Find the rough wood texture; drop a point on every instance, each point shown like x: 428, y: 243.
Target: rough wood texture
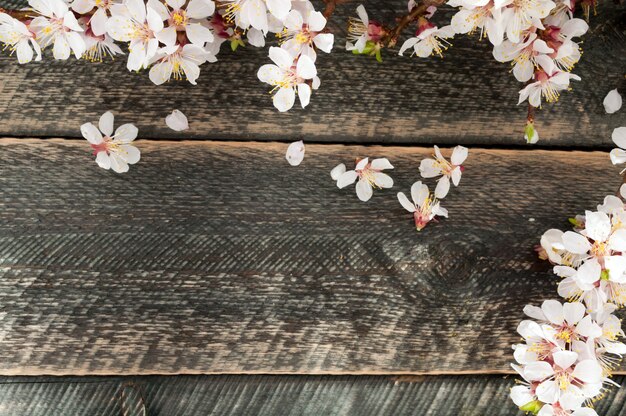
x: 467, y: 97
x: 221, y: 258
x: 274, y: 395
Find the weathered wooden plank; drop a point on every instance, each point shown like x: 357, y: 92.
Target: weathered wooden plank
x: 212, y: 257
x: 465, y: 98
x: 274, y: 395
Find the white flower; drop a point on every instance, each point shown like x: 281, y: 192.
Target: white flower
x: 287, y: 76
x: 429, y: 41
x: 99, y: 18
x: 303, y: 31
x: 246, y: 13
x: 295, y: 153
x: 484, y: 18
x: 370, y: 176
x: 568, y: 380
x: 522, y: 14
x: 183, y: 18
x: 425, y: 207
x: 601, y: 276
x: 568, y: 320
x: 177, y: 121
x: 136, y: 23
x: 619, y: 138
x: 179, y: 63
x: 549, y: 82
x: 99, y: 47
x: 58, y: 26
x: 522, y: 54
x: 113, y: 151
x: 358, y: 30
x: 18, y: 39
x: 361, y: 31
x: 612, y: 102
x: 430, y: 168
x: 560, y: 38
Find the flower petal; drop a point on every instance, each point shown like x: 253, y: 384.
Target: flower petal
x: 364, y: 190
x: 347, y: 178
x: 177, y: 121
x: 295, y: 153
x: 106, y: 123
x: 337, y: 171
x: 404, y: 201
x: 612, y: 102
x: 91, y: 133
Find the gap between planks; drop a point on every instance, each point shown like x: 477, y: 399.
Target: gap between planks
x: 280, y: 145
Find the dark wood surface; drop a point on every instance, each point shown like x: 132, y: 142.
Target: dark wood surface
x: 213, y: 257
x: 466, y: 98
x: 270, y: 395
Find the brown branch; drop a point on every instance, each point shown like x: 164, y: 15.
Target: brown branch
x: 414, y: 14
x: 331, y: 5
x: 21, y: 15
x: 530, y: 117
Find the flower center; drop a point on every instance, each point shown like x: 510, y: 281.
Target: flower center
x: 179, y: 18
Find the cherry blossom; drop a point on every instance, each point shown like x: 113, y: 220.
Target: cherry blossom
x: 522, y: 14
x: 425, y: 206
x: 58, y: 26
x: 302, y: 33
x: 187, y: 19
x: 369, y: 175
x: 136, y: 23
x: 429, y: 40
x: 99, y: 18
x: 478, y: 16
x: 287, y: 76
x: 16, y: 36
x: 177, y: 121
x: 112, y: 151
x: 178, y: 62
x: 522, y: 54
x: 549, y: 82
x: 431, y: 168
x: 364, y: 35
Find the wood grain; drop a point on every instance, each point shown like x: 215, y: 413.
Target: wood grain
x: 274, y: 395
x: 213, y: 257
x: 467, y: 97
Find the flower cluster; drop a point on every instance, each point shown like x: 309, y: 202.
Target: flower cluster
x: 173, y: 38
x: 571, y: 349
x: 566, y: 358
x: 538, y: 38
x: 425, y: 206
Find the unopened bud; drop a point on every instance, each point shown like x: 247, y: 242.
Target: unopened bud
x: 530, y: 133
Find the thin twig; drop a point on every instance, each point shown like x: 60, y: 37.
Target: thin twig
x: 530, y: 117
x: 415, y: 13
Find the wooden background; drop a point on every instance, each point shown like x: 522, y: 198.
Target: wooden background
x: 246, y: 286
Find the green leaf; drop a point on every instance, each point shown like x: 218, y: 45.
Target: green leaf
x: 379, y: 58
x: 533, y: 407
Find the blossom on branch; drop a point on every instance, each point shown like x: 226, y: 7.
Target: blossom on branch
x: 19, y: 39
